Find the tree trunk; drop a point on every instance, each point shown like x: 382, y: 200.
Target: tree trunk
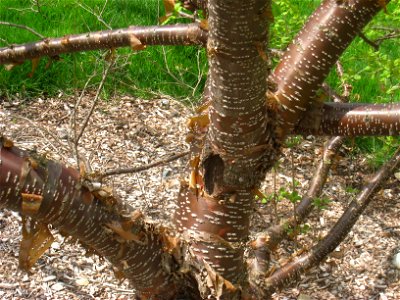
x: 238, y: 148
x: 233, y: 146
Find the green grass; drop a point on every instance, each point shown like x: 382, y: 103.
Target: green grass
x: 374, y: 75
x: 140, y: 74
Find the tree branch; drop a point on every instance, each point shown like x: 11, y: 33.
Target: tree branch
x: 46, y: 192
x: 313, y: 52
x: 183, y: 34
x: 336, y: 235
x: 351, y: 119
x: 277, y: 233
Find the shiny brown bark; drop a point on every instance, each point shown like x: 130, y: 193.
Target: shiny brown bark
x: 351, y: 119
x: 313, y: 52
x: 134, y: 37
x: 50, y: 193
x: 215, y: 208
x: 233, y: 161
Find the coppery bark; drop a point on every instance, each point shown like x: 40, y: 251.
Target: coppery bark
x: 50, y: 193
x: 214, y: 209
x: 135, y: 37
x: 195, y: 4
x: 234, y: 159
x: 307, y: 62
x: 336, y: 235
x: 351, y: 119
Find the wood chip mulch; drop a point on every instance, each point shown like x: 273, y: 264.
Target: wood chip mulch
x: 128, y: 132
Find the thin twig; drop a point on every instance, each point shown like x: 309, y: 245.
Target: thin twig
x: 332, y: 93
x: 384, y: 28
x: 96, y: 98
x: 199, y: 75
x: 389, y: 36
x: 45, y: 133
x: 31, y: 30
x: 145, y: 167
x: 72, y: 122
x: 98, y: 16
x: 178, y: 81
x: 345, y: 86
x: 368, y: 41
x: 337, y: 234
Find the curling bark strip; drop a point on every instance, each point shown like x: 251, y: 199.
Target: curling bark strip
x: 307, y: 61
x: 351, y: 119
x: 182, y: 34
x: 132, y: 246
x: 238, y: 35
x: 216, y: 214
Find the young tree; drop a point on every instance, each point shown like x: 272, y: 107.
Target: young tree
x: 235, y: 138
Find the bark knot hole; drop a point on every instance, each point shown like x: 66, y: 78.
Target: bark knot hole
x: 213, y: 167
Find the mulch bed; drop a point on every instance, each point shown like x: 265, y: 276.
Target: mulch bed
x: 127, y: 132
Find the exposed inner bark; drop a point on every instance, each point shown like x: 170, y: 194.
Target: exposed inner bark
x: 229, y: 157
x: 50, y: 193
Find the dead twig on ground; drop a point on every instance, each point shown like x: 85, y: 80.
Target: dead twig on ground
x: 145, y: 167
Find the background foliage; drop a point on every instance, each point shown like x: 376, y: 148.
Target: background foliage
x: 181, y: 71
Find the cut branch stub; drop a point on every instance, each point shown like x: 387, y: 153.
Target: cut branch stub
x: 46, y: 192
x: 134, y: 37
x: 307, y: 62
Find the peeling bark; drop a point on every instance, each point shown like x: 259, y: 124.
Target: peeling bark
x: 229, y: 158
x: 135, y: 37
x: 215, y: 214
x: 195, y: 4
x: 48, y: 193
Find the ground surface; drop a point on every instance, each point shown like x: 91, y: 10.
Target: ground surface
x: 131, y: 132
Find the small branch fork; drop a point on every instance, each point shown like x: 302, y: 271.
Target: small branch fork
x: 295, y: 90
x: 394, y: 33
